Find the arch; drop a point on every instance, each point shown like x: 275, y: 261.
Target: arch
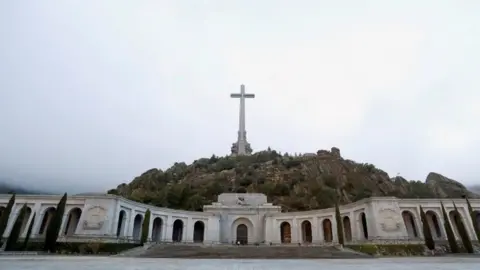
x: 137, y: 227
x: 242, y: 234
x: 476, y: 216
x: 198, y: 232
x: 410, y: 224
x: 157, y: 229
x: 347, y: 229
x: 364, y: 225
x: 285, y: 233
x: 46, y: 220
x: 73, y: 219
x: 432, y: 220
x: 177, y: 233
x: 2, y: 209
x: 121, y: 223
x: 327, y: 230
x: 455, y: 220
x: 25, y: 220
x: 306, y: 231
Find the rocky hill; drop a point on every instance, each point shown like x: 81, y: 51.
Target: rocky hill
x: 304, y: 182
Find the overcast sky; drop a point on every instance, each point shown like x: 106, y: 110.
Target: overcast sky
x: 94, y: 93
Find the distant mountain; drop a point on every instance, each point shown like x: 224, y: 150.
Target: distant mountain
x: 6, y: 187
x: 475, y: 189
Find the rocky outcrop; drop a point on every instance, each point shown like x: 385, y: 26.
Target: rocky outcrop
x: 446, y: 187
x: 295, y: 182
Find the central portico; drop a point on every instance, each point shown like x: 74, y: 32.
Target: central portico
x: 242, y: 216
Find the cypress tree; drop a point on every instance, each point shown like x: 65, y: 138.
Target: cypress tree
x: 29, y: 232
x: 16, y: 230
x: 462, y: 231
x: 338, y: 217
x: 448, y: 229
x: 54, y: 226
x: 427, y: 233
x: 5, y: 216
x: 145, y: 227
x: 473, y: 218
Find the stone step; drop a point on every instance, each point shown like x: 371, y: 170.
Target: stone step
x: 251, y: 252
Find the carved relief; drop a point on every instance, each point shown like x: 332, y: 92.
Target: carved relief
x: 241, y: 201
x: 95, y: 218
x: 389, y: 220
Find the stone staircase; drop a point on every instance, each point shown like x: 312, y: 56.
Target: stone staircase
x: 247, y: 252
x: 134, y: 252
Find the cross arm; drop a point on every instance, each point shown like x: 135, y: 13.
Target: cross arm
x: 240, y: 95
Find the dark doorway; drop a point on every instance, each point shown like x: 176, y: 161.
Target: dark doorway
x: 242, y: 234
x: 198, y: 232
x: 285, y: 233
x: 306, y: 232
x: 364, y: 225
x: 177, y: 231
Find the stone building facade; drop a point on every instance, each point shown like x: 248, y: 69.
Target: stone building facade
x: 245, y: 218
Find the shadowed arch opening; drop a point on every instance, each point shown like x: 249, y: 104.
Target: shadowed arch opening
x: 432, y: 220
x: 46, y: 220
x: 476, y: 220
x: 121, y: 223
x: 364, y: 225
x: 285, y: 233
x: 306, y: 231
x: 177, y: 233
x: 198, y: 232
x: 242, y: 234
x: 410, y: 224
x: 137, y: 227
x: 327, y: 230
x: 455, y: 219
x: 2, y: 209
x: 157, y: 229
x: 72, y: 221
x: 347, y: 229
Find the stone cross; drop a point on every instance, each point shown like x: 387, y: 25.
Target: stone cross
x: 242, y: 146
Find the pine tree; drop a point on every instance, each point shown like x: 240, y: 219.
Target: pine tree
x: 448, y: 229
x: 462, y: 231
x: 16, y: 230
x: 338, y: 217
x: 427, y: 233
x: 29, y: 232
x: 473, y: 218
x: 54, y: 226
x: 145, y: 227
x: 5, y: 216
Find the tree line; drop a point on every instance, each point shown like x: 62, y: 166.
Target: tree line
x: 53, y: 228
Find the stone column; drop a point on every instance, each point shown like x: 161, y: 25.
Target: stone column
x: 169, y: 228
x: 150, y: 227
x: 295, y: 234
x: 321, y: 236
x: 188, y: 230
x: 334, y: 230
x: 116, y: 216
x: 61, y: 233
x: 38, y: 223
x: 129, y: 227
x: 315, y: 231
